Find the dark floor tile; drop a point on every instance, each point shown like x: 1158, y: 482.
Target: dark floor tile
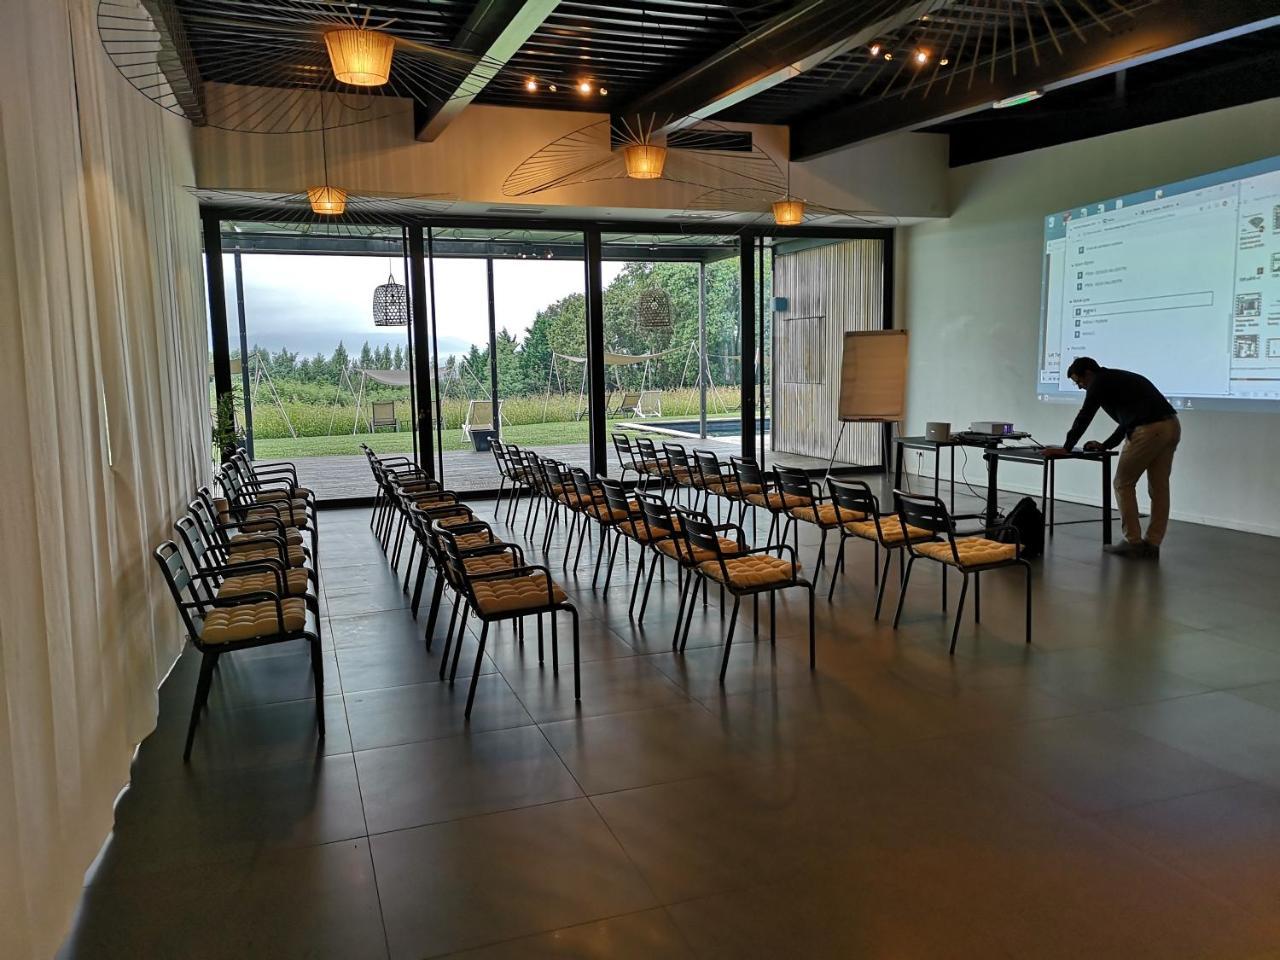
x: 617, y: 685
x: 436, y: 780
x: 430, y: 711
x: 391, y: 662
x: 482, y: 880
x: 635, y: 936
x: 218, y: 817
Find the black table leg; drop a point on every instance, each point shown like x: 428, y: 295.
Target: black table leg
x: 993, y: 464
x: 1053, y: 494
x: 953, y: 479
x: 897, y: 468
x: 1106, y: 499
x: 937, y: 469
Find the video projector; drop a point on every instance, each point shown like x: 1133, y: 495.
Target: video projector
x: 992, y: 428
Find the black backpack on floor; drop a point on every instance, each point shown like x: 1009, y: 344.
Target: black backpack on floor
x: 1027, y: 519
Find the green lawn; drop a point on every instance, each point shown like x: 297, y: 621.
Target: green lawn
x: 528, y: 434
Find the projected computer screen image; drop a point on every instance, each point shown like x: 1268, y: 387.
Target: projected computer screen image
x: 1180, y: 283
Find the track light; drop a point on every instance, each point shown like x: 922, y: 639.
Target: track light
x: 551, y: 87
x: 888, y: 55
x: 944, y: 61
x: 875, y: 49
x: 922, y: 56
x: 584, y: 87
x: 531, y: 85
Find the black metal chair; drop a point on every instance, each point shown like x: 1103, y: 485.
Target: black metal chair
x: 523, y: 590
x: 746, y: 572
x: 971, y: 555
x: 222, y: 625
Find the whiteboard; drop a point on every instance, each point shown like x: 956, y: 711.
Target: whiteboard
x: 873, y: 375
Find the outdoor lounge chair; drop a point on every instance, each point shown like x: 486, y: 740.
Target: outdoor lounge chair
x: 384, y: 415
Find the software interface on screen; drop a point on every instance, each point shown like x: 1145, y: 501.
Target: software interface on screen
x: 1180, y: 283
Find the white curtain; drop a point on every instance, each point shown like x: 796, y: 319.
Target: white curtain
x: 104, y: 427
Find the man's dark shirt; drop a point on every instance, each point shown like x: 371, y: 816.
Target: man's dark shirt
x: 1130, y: 399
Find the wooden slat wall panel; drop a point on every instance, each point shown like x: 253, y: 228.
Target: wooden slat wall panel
x: 844, y: 283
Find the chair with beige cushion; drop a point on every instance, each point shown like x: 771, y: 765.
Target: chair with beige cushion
x: 971, y: 555
x: 218, y: 625
x: 508, y: 593
x: 858, y: 511
x: 743, y: 572
x: 803, y: 502
x: 229, y: 541
x: 273, y: 471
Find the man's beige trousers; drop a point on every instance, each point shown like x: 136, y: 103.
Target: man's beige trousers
x: 1148, y: 450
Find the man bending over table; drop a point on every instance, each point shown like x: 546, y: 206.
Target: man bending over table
x: 1149, y: 425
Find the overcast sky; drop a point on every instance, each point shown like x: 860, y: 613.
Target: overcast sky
x: 309, y: 303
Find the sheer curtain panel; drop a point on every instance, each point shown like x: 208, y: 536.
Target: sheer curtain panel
x: 104, y: 426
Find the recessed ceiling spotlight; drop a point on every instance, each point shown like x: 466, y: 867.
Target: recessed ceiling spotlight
x: 584, y: 87
x: 604, y: 92
x: 922, y: 56
x: 944, y: 61
x: 531, y: 85
x: 551, y: 87
x: 888, y: 55
x: 875, y: 49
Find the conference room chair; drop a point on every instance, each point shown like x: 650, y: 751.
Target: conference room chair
x: 804, y: 502
x: 971, y: 555
x: 269, y: 537
x: 279, y: 470
x: 563, y: 500
x: 760, y: 492
x: 630, y: 461
x: 744, y: 572
x: 219, y: 625
x: 716, y: 479
x: 655, y: 462
x: 420, y: 514
x: 858, y: 510
x: 512, y: 593
x: 678, y: 470
x: 627, y: 531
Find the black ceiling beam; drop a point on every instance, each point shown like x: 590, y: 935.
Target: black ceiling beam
x: 796, y: 40
x: 495, y: 31
x: 1165, y: 29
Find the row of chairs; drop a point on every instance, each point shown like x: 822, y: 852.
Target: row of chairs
x: 247, y: 573
x: 481, y: 575
x: 917, y: 527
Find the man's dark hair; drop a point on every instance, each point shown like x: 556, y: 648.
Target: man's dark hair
x: 1082, y: 365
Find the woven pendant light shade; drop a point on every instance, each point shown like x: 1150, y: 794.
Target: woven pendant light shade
x: 788, y: 213
x: 644, y: 160
x: 361, y: 58
x: 390, y: 304
x: 326, y: 200
x: 653, y: 309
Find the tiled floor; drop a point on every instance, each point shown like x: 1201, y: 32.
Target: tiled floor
x: 1111, y: 791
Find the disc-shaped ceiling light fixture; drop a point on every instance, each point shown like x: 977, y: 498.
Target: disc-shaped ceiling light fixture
x: 359, y: 56
x: 653, y: 309
x: 390, y: 304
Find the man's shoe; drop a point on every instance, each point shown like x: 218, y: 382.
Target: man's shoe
x: 1126, y: 548
x: 1151, y: 550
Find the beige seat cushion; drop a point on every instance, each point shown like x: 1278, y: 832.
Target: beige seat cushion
x: 295, y: 554
x: 824, y: 514
x: 297, y: 493
x: 680, y: 550
x: 890, y: 529
x: 607, y: 514
x: 292, y: 535
x: 250, y: 620
x: 490, y: 563
x: 775, y: 501
x: 757, y: 570
x: 456, y: 520
x: 638, y: 530
x: 469, y: 541
x: 512, y: 594
x: 237, y: 586
x: 973, y: 551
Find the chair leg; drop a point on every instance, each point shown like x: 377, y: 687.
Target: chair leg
x: 884, y: 579
x: 955, y: 631
x: 317, y: 675
x: 728, y: 640
x: 577, y: 674
x: 207, y: 663
x: 604, y: 541
x: 540, y: 640
x: 689, y: 608
x: 684, y: 590
x: 944, y: 588
x: 977, y: 598
x: 555, y: 645
x: 419, y: 583
x: 436, y: 593
x: 408, y: 567
x: 773, y: 618
x: 813, y: 649
x: 457, y: 643
x: 448, y: 637
x: 635, y: 587
x: 902, y: 592
x: 475, y: 674
x: 648, y: 584
x: 822, y: 555
x: 613, y: 555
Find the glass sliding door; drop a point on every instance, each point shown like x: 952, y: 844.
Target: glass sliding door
x: 509, y: 328
x: 320, y: 350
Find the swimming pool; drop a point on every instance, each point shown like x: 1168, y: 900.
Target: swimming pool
x: 718, y: 427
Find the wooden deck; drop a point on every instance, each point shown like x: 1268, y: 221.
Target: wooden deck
x: 347, y: 477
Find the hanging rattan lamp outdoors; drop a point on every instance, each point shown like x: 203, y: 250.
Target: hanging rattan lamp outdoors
x: 390, y: 304
x: 360, y: 57
x: 653, y: 309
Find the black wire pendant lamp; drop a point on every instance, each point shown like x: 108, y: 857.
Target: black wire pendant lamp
x: 390, y: 304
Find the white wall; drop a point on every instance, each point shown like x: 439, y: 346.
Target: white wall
x: 968, y: 290
x: 902, y: 176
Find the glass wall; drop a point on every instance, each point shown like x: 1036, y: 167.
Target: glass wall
x: 315, y: 373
